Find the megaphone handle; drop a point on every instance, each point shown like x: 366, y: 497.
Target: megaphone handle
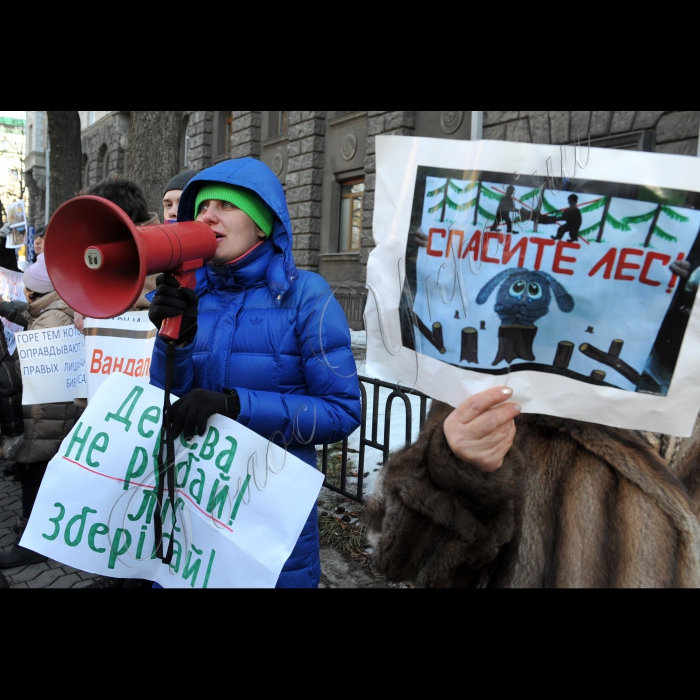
x: 170, y: 328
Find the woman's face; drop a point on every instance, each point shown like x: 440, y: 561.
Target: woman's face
x: 39, y: 245
x: 29, y: 295
x: 235, y: 231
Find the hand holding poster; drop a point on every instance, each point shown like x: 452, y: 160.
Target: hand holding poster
x: 240, y: 504
x: 489, y: 271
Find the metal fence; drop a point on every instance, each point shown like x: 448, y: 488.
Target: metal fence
x: 353, y: 305
x: 334, y: 461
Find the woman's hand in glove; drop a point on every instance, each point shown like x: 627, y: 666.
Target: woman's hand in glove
x: 173, y: 300
x: 189, y: 415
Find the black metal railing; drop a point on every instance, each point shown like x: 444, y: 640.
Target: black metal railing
x: 336, y: 459
x: 353, y: 305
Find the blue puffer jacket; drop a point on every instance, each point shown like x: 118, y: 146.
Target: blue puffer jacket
x: 278, y: 337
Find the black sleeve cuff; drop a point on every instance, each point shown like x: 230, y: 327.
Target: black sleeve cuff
x: 233, y: 404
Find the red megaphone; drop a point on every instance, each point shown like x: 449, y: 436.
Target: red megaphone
x: 97, y: 259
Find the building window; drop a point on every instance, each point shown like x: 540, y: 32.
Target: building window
x: 350, y: 215
x: 91, y: 118
x: 642, y: 140
x: 278, y: 124
x: 86, y: 172
x: 103, y: 160
x: 185, y: 143
x: 39, y: 143
x: 223, y: 131
x: 228, y: 132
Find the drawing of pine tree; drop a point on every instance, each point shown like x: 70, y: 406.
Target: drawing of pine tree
x: 476, y: 203
x: 489, y: 194
x: 496, y: 196
x: 654, y: 229
x: 537, y: 195
x: 530, y: 195
x: 446, y: 201
x: 608, y: 218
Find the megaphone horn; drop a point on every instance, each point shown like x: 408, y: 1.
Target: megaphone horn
x: 98, y: 260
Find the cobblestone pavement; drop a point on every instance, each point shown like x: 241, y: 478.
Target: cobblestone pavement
x: 337, y: 570
x: 47, y: 574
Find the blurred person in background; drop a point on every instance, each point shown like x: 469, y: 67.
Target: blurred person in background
x: 45, y: 425
x: 172, y: 192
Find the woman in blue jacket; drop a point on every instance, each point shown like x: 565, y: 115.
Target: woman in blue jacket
x: 261, y: 342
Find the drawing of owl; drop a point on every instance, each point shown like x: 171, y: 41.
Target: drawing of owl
x: 524, y: 296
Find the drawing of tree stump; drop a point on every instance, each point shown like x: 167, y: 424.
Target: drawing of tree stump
x: 515, y: 341
x: 598, y: 375
x: 470, y: 345
x: 565, y: 350
x: 612, y: 359
x: 616, y: 348
x: 434, y: 336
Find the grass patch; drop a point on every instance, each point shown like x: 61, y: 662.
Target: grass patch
x: 335, y: 464
x: 346, y: 537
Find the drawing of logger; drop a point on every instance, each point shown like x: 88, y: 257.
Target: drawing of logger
x: 506, y: 208
x: 571, y: 216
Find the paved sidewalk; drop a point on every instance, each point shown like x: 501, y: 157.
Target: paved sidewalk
x: 47, y: 574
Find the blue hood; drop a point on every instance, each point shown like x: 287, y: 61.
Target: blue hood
x: 256, y: 176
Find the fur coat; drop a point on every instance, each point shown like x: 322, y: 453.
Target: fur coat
x: 574, y: 505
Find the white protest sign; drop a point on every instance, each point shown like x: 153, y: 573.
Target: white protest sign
x: 487, y: 272
x: 52, y: 362
x: 17, y: 219
x: 11, y: 289
x: 121, y: 344
x: 240, y: 503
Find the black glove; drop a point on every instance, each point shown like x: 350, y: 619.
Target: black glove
x: 172, y: 300
x: 189, y: 415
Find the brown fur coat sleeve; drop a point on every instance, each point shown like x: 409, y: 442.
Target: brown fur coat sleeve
x: 436, y: 520
x: 684, y: 461
x: 574, y: 505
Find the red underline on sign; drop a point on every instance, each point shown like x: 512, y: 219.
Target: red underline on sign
x: 150, y: 486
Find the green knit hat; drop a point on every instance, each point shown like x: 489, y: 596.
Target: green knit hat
x: 246, y: 200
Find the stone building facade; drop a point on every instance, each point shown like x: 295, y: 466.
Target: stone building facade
x: 12, y: 145
x: 35, y: 166
x: 662, y: 132
x: 326, y: 162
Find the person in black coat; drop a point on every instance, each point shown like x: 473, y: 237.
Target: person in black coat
x: 571, y: 216
x: 506, y: 207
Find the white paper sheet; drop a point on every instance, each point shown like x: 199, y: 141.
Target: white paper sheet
x: 241, y: 502
x: 596, y: 329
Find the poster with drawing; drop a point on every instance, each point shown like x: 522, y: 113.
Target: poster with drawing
x: 11, y: 288
x: 545, y: 268
x: 17, y: 220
